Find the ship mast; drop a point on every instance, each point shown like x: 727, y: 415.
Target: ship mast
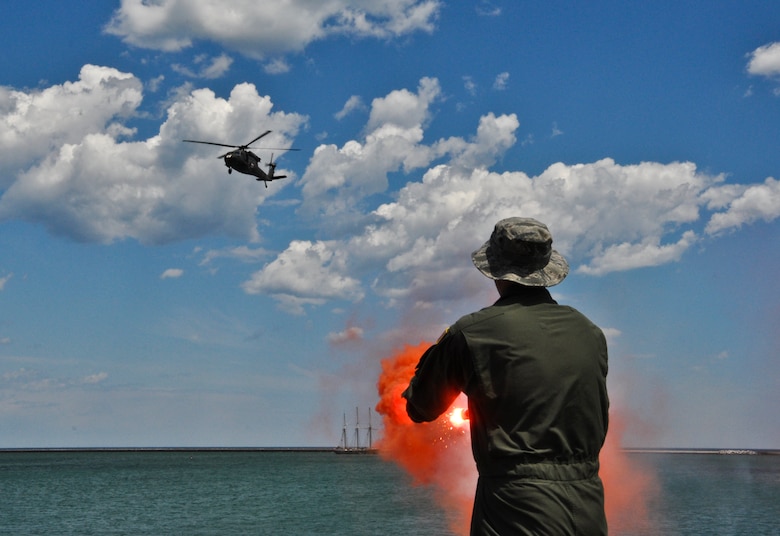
x: 344, y: 433
x: 369, y: 428
x: 357, y: 429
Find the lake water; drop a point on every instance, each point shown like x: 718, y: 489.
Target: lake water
x: 320, y: 493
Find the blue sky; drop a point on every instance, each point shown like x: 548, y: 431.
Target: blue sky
x: 148, y: 298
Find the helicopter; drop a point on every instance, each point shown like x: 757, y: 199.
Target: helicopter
x: 245, y: 161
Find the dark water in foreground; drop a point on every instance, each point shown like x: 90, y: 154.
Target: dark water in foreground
x: 320, y: 493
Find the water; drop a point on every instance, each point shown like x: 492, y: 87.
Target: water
x: 209, y: 493
x: 713, y: 494
x: 320, y: 493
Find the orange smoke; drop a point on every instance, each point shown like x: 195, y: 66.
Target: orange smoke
x: 628, y: 487
x: 438, y: 454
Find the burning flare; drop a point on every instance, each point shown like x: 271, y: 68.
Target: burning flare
x: 459, y: 417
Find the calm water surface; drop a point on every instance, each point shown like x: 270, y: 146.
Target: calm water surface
x: 209, y: 493
x: 320, y: 493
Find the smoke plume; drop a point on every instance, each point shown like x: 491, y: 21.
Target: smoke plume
x: 438, y: 455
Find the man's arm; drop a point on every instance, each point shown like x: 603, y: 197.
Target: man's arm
x: 442, y: 373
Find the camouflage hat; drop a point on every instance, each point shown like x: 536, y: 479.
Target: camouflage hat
x: 520, y: 250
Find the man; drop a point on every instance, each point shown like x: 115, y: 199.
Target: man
x: 535, y: 376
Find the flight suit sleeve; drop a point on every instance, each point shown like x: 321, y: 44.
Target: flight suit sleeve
x: 443, y: 372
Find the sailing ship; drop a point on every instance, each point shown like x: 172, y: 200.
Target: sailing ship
x: 356, y: 448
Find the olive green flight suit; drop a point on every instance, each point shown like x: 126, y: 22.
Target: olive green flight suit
x: 535, y: 376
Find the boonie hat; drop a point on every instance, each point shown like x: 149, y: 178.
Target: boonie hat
x: 520, y: 250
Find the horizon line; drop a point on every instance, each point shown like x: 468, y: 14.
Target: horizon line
x: 638, y: 450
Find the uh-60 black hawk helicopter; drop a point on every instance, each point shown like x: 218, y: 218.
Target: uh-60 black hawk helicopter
x: 245, y: 161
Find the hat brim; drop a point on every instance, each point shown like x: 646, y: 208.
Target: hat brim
x: 553, y: 273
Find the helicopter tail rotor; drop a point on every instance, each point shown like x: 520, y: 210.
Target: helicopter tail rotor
x: 272, y: 169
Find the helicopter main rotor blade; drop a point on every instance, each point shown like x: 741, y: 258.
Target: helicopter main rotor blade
x: 272, y: 148
x: 266, y: 133
x: 211, y: 143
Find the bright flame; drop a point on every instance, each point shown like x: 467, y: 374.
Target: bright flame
x: 459, y: 417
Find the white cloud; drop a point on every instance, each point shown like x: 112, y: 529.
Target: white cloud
x: 350, y: 334
x: 5, y: 279
x: 765, y: 60
x: 94, y: 187
x: 487, y: 9
x: 71, y: 172
x: 402, y: 108
x: 353, y: 103
x: 306, y: 272
x: 501, y: 81
x: 337, y: 178
x: 211, y: 69
x: 605, y: 216
x: 469, y: 85
x: 613, y: 216
x: 217, y: 67
x: 276, y: 66
x: 628, y: 256
x: 259, y: 30
x: 37, y: 122
x: 612, y: 334
x: 242, y: 253
x: 172, y: 273
x: 95, y: 378
x: 753, y: 203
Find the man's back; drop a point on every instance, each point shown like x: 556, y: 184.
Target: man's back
x: 540, y: 383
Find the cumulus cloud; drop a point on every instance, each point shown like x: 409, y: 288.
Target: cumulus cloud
x: 352, y: 104
x: 755, y: 202
x: 765, y: 60
x: 409, y: 245
x: 172, y: 273
x: 70, y: 169
x: 350, y: 334
x: 501, y: 82
x: 627, y: 256
x: 338, y: 179
x: 207, y: 68
x: 605, y: 217
x: 262, y: 30
x: 487, y: 9
x: 95, y: 378
x: 39, y: 121
x: 469, y: 85
x: 413, y: 251
x: 306, y: 273
x: 276, y: 66
x: 241, y: 253
x: 5, y: 279
x: 35, y: 380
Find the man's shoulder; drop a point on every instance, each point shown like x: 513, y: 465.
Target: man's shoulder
x: 482, y: 315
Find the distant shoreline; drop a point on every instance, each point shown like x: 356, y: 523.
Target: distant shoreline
x: 743, y: 452
x: 169, y: 449
x: 722, y: 451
